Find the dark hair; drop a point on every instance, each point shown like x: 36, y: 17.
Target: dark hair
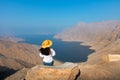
x: 45, y: 51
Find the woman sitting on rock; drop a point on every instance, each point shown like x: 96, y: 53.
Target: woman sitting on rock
x: 47, y: 53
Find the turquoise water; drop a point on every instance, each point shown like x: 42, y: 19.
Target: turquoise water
x: 65, y: 51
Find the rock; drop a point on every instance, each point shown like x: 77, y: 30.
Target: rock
x: 67, y: 71
x: 111, y: 57
x: 20, y: 75
x: 114, y: 57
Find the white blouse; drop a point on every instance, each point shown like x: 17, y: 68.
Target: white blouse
x: 48, y: 58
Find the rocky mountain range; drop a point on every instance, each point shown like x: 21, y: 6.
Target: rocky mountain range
x: 14, y: 56
x: 104, y: 38
x: 92, y: 32
x: 22, y: 60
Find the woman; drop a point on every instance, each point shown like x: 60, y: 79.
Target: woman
x: 47, y: 53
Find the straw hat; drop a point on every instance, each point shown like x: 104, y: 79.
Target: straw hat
x: 46, y: 43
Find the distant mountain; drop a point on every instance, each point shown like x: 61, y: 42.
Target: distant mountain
x: 99, y: 35
x: 10, y: 38
x: 104, y: 38
x: 103, y: 64
x: 92, y: 33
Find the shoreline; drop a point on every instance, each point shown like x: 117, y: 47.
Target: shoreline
x: 97, y: 48
x: 84, y: 44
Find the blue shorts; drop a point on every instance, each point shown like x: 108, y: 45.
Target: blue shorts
x: 48, y: 64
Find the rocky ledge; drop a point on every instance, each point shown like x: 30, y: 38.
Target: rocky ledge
x: 66, y: 71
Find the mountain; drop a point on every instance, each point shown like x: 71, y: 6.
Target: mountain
x: 104, y: 38
x: 92, y: 32
x: 103, y: 64
x: 97, y: 34
x: 10, y: 38
x: 14, y: 56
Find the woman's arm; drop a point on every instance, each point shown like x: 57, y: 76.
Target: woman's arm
x: 53, y: 52
x: 40, y: 54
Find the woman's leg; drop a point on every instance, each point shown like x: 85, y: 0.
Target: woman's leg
x: 48, y: 64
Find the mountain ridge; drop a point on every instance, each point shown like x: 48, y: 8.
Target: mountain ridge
x: 98, y: 66
x: 104, y: 38
x: 14, y: 56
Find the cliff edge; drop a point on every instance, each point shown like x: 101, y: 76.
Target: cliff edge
x: 66, y: 71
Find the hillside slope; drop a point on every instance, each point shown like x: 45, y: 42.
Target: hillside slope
x: 21, y: 55
x: 94, y: 34
x: 104, y: 38
x: 15, y: 56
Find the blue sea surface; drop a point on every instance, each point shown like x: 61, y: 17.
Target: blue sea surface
x: 65, y: 51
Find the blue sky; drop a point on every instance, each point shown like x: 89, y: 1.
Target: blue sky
x: 52, y: 16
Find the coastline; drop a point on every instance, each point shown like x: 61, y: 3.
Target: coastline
x: 101, y: 50
x: 94, y: 67
x: 98, y: 66
x: 11, y: 38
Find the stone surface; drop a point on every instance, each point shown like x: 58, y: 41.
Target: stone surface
x: 111, y: 57
x: 20, y: 75
x: 115, y: 57
x: 67, y: 71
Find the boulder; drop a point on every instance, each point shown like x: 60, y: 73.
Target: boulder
x: 111, y: 57
x: 67, y: 71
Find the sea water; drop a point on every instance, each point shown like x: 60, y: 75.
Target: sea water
x: 65, y: 51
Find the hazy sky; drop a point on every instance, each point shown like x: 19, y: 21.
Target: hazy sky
x: 51, y: 16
